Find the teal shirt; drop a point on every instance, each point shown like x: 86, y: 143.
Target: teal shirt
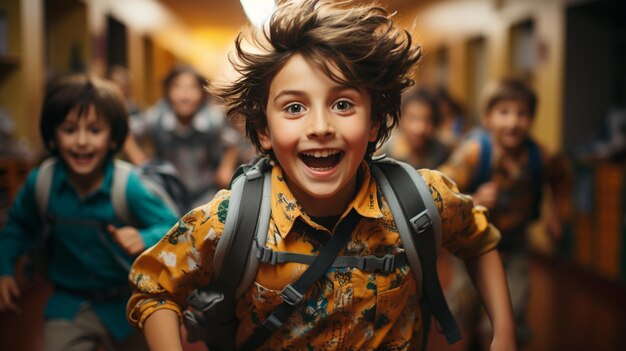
x: 78, y: 259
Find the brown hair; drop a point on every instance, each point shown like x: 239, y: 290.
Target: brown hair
x: 425, y: 96
x: 80, y: 92
x: 509, y: 89
x: 361, y: 41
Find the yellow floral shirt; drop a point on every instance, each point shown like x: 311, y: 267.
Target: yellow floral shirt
x: 347, y: 309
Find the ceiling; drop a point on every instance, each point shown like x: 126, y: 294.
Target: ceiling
x: 228, y: 14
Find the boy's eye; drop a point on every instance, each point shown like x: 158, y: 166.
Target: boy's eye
x: 343, y: 105
x: 68, y: 129
x: 95, y: 130
x: 294, y: 109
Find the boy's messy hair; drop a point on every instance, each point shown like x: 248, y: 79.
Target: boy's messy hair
x: 509, y: 89
x: 425, y: 96
x: 80, y: 92
x: 362, y: 42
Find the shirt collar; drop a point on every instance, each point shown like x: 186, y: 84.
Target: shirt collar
x: 286, y: 210
x: 107, y: 182
x: 201, y: 122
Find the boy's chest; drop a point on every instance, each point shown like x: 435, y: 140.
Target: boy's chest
x: 370, y: 238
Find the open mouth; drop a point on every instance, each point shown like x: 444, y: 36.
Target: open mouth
x: 321, y: 160
x: 82, y: 157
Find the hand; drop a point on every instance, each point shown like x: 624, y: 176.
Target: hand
x: 9, y: 290
x: 486, y: 195
x: 554, y: 227
x: 128, y: 238
x: 503, y: 343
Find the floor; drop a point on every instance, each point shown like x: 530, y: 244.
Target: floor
x: 569, y: 310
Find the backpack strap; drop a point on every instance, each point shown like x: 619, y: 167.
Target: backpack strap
x: 419, y: 225
x: 236, y: 248
x: 293, y: 294
x: 121, y: 172
x: 483, y: 171
x: 43, y: 184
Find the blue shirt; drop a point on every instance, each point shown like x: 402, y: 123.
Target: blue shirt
x: 78, y: 257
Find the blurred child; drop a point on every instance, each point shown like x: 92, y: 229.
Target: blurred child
x: 454, y: 123
x: 320, y: 97
x: 83, y: 123
x: 506, y: 170
x: 190, y: 132
x: 415, y: 141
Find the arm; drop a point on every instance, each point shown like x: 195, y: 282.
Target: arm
x: 17, y: 236
x: 560, y: 179
x: 468, y: 234
x: 156, y: 218
x: 162, y: 331
x: 494, y: 293
x: 163, y: 276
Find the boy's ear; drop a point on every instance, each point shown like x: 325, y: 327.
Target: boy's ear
x: 373, y: 134
x: 265, y: 138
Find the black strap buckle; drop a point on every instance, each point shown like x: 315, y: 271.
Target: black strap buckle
x: 290, y: 295
x: 421, y: 222
x: 272, y: 323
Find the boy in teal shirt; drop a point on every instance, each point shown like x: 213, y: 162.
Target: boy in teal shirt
x: 89, y: 249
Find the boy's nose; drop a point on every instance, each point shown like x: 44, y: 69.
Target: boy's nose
x: 321, y: 125
x: 81, y: 137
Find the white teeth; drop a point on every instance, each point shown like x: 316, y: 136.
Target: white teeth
x: 321, y: 153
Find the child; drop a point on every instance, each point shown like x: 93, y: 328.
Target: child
x: 188, y: 131
x: 506, y: 171
x: 319, y: 94
x: 415, y: 141
x: 83, y: 123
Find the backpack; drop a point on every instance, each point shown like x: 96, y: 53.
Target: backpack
x: 483, y: 171
x: 159, y: 179
x: 211, y: 317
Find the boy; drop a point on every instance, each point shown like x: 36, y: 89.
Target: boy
x: 319, y: 96
x: 415, y: 141
x: 83, y: 123
x: 188, y: 131
x: 506, y: 171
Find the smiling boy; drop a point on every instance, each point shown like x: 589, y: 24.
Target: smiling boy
x: 88, y: 247
x: 322, y: 92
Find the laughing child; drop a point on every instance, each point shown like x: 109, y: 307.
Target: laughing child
x: 320, y: 92
x: 83, y: 123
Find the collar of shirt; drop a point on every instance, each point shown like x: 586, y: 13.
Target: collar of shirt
x: 286, y: 210
x: 201, y: 122
x: 61, y: 171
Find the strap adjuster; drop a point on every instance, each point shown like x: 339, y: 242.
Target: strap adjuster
x: 290, y: 295
x: 388, y: 263
x: 266, y: 255
x: 272, y: 323
x: 421, y: 222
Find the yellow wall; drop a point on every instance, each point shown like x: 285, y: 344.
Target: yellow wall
x: 67, y: 30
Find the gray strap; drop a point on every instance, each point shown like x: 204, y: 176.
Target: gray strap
x: 121, y: 172
x: 387, y: 263
x: 43, y: 185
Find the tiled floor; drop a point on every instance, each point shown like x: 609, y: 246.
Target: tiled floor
x: 569, y: 310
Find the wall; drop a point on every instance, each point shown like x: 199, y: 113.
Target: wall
x: 452, y: 23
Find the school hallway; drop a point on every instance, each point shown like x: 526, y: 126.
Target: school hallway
x: 569, y: 310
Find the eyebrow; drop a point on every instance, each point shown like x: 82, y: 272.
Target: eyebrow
x: 335, y: 89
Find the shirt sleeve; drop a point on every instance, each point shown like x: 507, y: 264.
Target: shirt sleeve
x: 466, y: 231
x: 149, y: 210
x: 164, y: 275
x: 22, y: 226
x: 461, y: 165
